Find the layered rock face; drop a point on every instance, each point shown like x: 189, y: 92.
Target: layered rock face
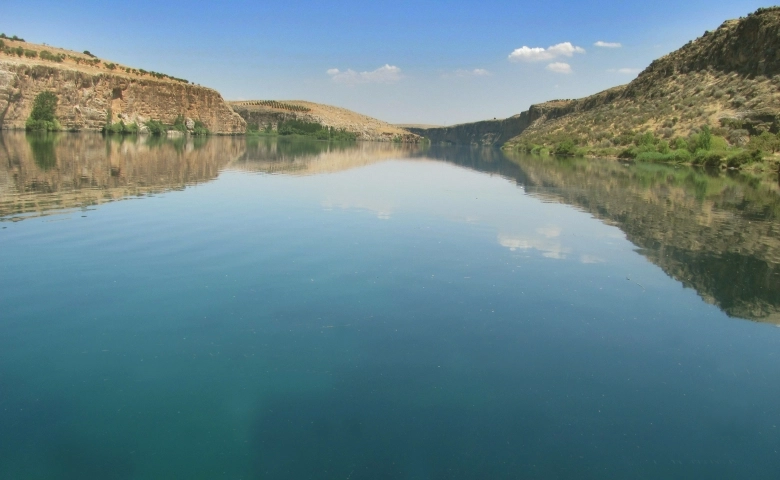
x: 89, y: 99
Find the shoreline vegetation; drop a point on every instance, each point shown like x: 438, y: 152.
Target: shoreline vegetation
x: 720, y: 147
x: 301, y: 128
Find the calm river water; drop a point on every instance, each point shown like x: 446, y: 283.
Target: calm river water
x: 231, y: 308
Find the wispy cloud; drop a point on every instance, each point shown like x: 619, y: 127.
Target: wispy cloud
x: 559, y: 67
x: 607, y: 44
x: 536, y: 54
x: 386, y: 74
x: 463, y: 73
x: 625, y: 71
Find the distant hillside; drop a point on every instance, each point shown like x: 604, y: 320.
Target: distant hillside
x: 92, y: 92
x: 269, y: 113
x: 486, y: 132
x: 727, y: 81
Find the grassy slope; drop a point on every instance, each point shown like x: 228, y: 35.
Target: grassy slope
x: 728, y: 80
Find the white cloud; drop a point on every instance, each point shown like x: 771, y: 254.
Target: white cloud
x: 607, y: 44
x: 386, y: 74
x: 625, y: 71
x: 559, y: 67
x: 536, y: 54
x: 477, y: 72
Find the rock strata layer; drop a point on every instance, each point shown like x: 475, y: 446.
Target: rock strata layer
x: 87, y: 100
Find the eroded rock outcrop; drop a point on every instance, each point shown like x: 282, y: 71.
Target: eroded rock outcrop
x: 88, y: 98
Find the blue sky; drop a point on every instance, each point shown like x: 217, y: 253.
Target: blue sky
x: 401, y: 61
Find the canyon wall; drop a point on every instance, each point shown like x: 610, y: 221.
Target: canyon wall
x: 88, y: 99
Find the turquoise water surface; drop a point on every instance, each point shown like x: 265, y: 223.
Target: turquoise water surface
x: 261, y: 309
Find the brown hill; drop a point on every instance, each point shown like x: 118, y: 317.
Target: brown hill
x: 728, y: 80
x: 271, y: 112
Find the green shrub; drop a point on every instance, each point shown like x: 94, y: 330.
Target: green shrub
x: 681, y: 156
x: 298, y: 127
x: 42, y: 117
x: 708, y: 158
x: 156, y: 127
x: 179, y: 125
x: 679, y: 144
x: 30, y: 53
x: 718, y: 143
x: 705, y: 139
x: 342, y: 135
x: 47, y: 55
x: 766, y: 142
x: 644, y: 139
x: 121, y: 128
x: 743, y: 157
x: 200, y: 128
x: 566, y: 148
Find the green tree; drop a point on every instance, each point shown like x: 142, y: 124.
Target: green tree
x: 705, y: 138
x: 566, y: 147
x: 42, y: 115
x: 766, y: 142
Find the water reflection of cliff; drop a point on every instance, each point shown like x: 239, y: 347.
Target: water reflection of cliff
x: 716, y: 233
x: 300, y: 156
x: 40, y: 174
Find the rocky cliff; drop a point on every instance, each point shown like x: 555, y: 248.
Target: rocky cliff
x: 91, y: 94
x: 727, y: 78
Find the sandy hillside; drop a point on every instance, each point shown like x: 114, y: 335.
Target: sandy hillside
x: 365, y: 127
